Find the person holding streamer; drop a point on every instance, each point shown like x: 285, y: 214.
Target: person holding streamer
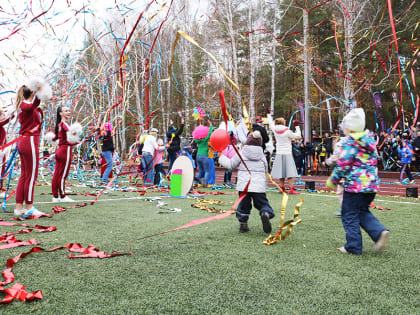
x: 284, y: 165
x: 254, y: 159
x: 67, y: 136
x: 30, y: 116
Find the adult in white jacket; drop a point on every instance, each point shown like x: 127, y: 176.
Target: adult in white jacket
x: 149, y: 147
x: 284, y: 165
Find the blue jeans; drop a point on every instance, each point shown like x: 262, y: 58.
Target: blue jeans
x: 245, y: 206
x: 149, y: 169
x: 172, y: 157
x: 107, y: 155
x: 355, y: 214
x: 212, y: 172
x: 203, y: 168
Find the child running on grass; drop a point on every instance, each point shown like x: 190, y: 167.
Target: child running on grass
x: 254, y: 158
x: 357, y: 165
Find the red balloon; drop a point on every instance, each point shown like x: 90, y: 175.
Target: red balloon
x: 219, y: 140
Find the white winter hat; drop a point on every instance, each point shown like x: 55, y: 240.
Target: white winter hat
x: 355, y: 120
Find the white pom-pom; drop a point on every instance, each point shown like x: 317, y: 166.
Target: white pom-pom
x: 256, y: 134
x: 45, y: 94
x: 49, y: 137
x: 35, y: 83
x: 38, y: 83
x: 73, y: 135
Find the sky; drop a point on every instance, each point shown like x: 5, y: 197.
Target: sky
x: 37, y: 46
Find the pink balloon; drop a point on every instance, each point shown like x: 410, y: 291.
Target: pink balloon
x: 219, y: 140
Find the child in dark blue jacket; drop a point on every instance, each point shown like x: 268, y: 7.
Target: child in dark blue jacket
x: 405, y: 150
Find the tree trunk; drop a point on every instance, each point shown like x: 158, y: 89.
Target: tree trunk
x: 348, y: 89
x: 251, y: 65
x: 234, y: 51
x: 273, y: 63
x: 307, y: 74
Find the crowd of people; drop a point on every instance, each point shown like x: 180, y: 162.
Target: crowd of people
x: 258, y: 153
x: 287, y: 154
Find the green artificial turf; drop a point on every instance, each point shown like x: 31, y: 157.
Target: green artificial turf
x: 211, y: 268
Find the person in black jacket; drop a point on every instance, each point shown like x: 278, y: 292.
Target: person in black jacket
x: 107, y: 150
x: 258, y: 125
x: 328, y: 144
x: 174, y: 143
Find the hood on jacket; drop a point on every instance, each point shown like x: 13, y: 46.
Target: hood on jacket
x: 252, y: 153
x: 365, y: 140
x: 280, y: 128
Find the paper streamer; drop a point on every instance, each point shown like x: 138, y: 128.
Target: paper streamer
x: 285, y: 226
x: 18, y: 291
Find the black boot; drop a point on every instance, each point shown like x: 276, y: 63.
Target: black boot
x: 243, y: 227
x: 265, y: 219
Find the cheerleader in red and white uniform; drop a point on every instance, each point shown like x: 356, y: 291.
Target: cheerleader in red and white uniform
x: 30, y: 117
x: 67, y: 136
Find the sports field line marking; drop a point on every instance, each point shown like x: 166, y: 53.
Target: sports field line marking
x: 391, y: 201
x: 143, y: 198
x: 80, y: 201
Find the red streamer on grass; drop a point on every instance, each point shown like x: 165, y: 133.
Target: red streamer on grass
x: 18, y: 291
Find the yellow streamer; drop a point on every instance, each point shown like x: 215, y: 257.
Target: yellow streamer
x: 285, y: 226
x: 203, y: 204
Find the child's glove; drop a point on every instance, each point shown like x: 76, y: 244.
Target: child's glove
x: 329, y: 183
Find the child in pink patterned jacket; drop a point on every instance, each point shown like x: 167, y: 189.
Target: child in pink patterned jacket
x: 357, y: 165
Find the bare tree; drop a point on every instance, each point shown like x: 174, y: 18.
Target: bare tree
x: 251, y: 62
x: 229, y: 16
